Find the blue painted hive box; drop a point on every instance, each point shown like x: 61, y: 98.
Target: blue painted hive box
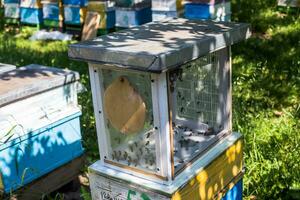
x: 219, y: 11
x: 74, y: 15
x: 131, y: 17
x: 11, y: 1
x: 39, y: 123
x: 31, y: 15
x: 51, y: 11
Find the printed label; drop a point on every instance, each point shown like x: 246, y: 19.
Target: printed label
x: 106, y: 189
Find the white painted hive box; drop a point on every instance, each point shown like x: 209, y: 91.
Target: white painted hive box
x: 34, y: 96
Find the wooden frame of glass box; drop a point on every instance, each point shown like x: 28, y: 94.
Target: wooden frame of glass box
x: 210, y: 49
x: 161, y: 98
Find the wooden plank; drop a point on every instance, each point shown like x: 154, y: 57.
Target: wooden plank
x: 30, y: 80
x: 164, y: 155
x: 91, y: 26
x: 50, y: 182
x: 97, y: 92
x: 124, y: 106
x: 213, y: 178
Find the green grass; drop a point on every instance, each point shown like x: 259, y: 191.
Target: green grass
x: 266, y: 88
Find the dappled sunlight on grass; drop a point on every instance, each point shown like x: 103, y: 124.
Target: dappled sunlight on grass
x: 266, y: 71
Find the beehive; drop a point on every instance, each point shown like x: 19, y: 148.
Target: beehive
x: 39, y: 123
x: 219, y: 10
x: 289, y: 3
x: 53, y: 13
x: 162, y: 100
x: 162, y: 9
x: 106, y: 11
x: 131, y: 17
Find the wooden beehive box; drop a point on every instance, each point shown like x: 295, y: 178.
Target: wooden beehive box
x: 219, y: 10
x: 162, y: 100
x: 289, y: 3
x: 39, y: 123
x: 12, y: 10
x: 162, y: 9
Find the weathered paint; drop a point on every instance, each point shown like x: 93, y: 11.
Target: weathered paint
x: 167, y: 5
x: 39, y: 152
x: 214, y: 177
x: 31, y: 4
x: 32, y: 79
x: 168, y: 44
x: 74, y: 15
x: 52, y: 11
x: 161, y: 15
x: 12, y: 10
x: 203, y: 11
x: 31, y: 15
x: 132, y: 17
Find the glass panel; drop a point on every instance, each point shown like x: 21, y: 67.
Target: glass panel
x: 129, y: 118
x: 195, y: 93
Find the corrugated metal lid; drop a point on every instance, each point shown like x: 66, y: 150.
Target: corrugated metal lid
x: 30, y: 80
x: 158, y: 46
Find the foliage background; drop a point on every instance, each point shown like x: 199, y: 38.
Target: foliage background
x: 266, y: 88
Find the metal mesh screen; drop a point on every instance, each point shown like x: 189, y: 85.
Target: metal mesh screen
x: 198, y: 90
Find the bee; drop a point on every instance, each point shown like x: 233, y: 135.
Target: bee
x: 147, y: 143
x: 125, y: 155
x: 182, y: 109
x: 181, y: 143
x: 151, y: 162
x: 131, y: 148
x: 148, y: 135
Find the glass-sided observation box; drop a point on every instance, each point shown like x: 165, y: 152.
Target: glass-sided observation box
x: 161, y: 93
